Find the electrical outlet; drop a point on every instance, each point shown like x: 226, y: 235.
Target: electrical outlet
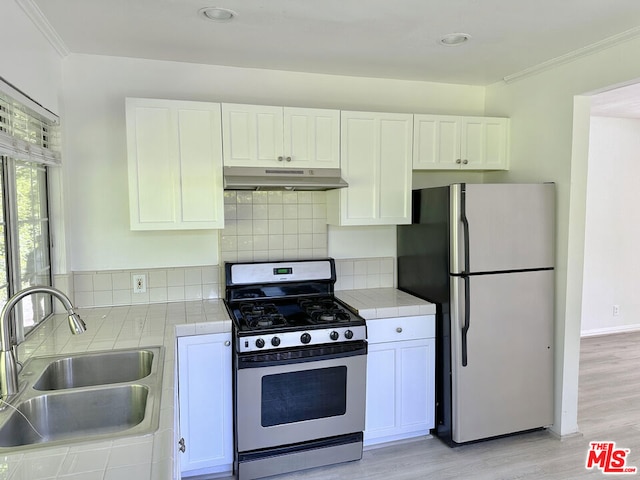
x: 139, y: 283
x: 616, y: 310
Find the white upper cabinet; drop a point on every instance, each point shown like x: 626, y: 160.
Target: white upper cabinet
x: 312, y: 137
x: 376, y: 163
x: 174, y: 153
x: 447, y: 142
x: 264, y: 136
x: 436, y: 142
x: 252, y: 135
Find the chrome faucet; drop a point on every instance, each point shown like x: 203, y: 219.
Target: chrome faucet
x: 8, y: 363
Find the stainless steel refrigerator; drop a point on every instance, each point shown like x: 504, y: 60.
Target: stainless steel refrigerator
x: 484, y: 254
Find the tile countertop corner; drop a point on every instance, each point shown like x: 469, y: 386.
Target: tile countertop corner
x: 372, y: 303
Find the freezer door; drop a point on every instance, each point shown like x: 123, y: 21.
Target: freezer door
x: 507, y: 383
x: 507, y: 227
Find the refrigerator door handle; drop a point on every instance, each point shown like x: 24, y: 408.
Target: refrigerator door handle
x: 467, y: 320
x: 465, y: 228
x: 465, y: 272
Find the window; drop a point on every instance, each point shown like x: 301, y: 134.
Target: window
x: 27, y: 149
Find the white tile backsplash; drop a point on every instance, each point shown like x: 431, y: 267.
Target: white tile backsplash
x: 175, y: 277
x: 83, y: 283
x: 108, y: 288
x: 359, y: 273
x: 274, y: 225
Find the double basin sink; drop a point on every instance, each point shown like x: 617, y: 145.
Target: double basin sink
x: 86, y: 396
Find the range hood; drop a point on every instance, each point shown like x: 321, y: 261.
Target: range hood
x: 258, y: 178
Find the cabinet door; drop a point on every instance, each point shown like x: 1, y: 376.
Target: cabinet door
x: 400, y: 390
x: 380, y: 419
x: 175, y: 164
x: 447, y: 142
x: 376, y: 163
x: 416, y: 389
x: 252, y: 135
x: 312, y: 137
x: 436, y: 142
x: 205, y: 400
x: 484, y: 143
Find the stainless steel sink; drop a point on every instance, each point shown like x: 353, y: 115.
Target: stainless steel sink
x: 95, y: 369
x: 82, y: 397
x: 51, y: 417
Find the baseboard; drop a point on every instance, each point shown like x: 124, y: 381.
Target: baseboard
x: 610, y: 330
x: 391, y: 442
x: 564, y: 437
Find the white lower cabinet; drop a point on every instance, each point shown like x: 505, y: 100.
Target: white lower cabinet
x: 205, y: 400
x: 400, y: 378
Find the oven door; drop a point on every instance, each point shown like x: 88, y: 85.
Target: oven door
x: 297, y: 395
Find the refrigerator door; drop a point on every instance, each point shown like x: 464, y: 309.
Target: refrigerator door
x: 501, y: 227
x: 507, y: 383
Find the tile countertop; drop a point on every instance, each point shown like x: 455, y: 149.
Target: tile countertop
x: 147, y: 457
x: 372, y: 303
x: 110, y: 328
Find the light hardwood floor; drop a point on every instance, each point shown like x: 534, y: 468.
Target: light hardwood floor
x: 608, y: 410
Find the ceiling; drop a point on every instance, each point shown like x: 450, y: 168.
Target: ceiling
x: 372, y: 38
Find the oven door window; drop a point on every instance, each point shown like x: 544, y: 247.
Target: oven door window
x: 303, y: 395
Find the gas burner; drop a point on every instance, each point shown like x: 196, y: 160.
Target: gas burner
x: 261, y: 315
x: 323, y: 310
x: 333, y: 314
x: 316, y: 304
x: 254, y: 309
x: 266, y: 320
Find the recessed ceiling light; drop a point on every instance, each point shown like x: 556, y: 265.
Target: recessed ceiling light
x: 217, y: 14
x: 454, y: 39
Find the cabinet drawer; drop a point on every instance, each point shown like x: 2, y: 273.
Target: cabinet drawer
x: 382, y: 330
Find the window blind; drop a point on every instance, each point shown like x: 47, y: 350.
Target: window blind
x: 28, y: 134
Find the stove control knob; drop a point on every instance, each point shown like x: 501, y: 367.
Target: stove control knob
x: 334, y: 335
x: 260, y: 343
x: 348, y: 334
x: 305, y: 338
x: 275, y: 341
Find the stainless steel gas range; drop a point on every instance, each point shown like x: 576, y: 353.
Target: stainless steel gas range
x: 299, y: 368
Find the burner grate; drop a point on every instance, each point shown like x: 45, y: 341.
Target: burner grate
x: 324, y: 310
x: 261, y: 315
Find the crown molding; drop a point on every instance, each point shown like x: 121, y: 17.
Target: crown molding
x: 39, y: 20
x: 575, y: 54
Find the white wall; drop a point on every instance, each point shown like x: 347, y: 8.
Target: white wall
x: 549, y: 128
x: 27, y: 59
x: 612, y: 232
x: 95, y: 152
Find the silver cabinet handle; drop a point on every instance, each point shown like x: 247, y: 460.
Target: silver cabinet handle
x: 465, y: 161
x: 227, y: 343
x: 458, y: 161
x: 399, y: 329
x: 288, y: 159
x: 280, y: 159
x: 183, y: 447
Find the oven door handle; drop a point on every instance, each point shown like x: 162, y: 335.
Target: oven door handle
x: 300, y: 355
